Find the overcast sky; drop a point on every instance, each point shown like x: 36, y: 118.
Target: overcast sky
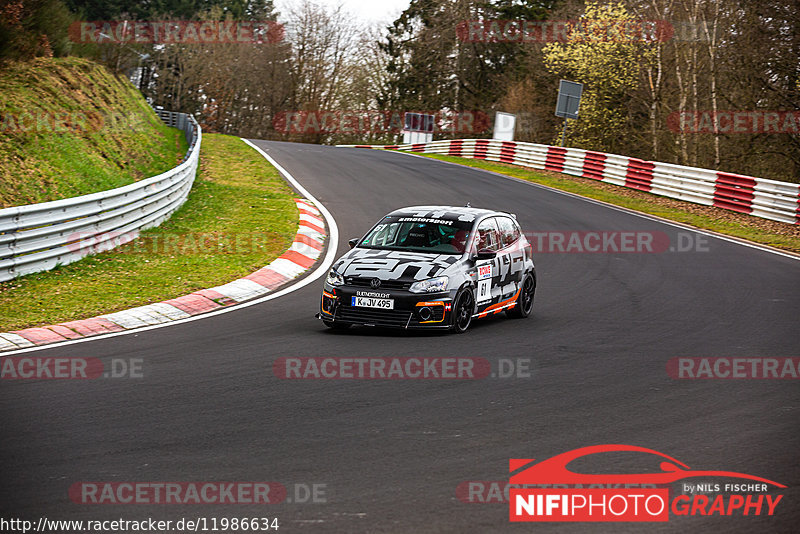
x: 367, y: 10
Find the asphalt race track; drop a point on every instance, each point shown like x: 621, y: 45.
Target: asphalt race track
x: 391, y: 453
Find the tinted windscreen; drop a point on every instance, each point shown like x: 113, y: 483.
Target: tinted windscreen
x: 419, y: 234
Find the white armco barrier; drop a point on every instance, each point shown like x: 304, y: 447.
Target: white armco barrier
x: 769, y: 199
x: 38, y: 237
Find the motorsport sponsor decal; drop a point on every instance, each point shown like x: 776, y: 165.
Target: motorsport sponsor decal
x: 579, y: 503
x: 722, y: 368
x: 373, y: 294
x: 484, y: 292
x: 425, y: 220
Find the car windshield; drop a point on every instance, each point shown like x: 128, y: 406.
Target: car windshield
x: 419, y: 234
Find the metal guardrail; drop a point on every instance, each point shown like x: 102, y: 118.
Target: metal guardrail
x: 768, y: 199
x: 38, y: 237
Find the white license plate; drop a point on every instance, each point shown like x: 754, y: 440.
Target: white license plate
x: 371, y: 302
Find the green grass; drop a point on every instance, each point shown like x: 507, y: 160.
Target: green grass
x: 776, y: 234
x: 240, y: 215
x: 69, y: 127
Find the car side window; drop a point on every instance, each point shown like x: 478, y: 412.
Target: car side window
x: 509, y: 232
x: 488, y: 235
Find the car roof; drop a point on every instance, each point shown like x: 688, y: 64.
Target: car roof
x: 448, y: 213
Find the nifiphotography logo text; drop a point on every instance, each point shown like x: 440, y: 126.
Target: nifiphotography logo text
x: 572, y: 496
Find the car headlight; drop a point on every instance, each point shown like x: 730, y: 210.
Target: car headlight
x: 334, y: 278
x: 432, y: 285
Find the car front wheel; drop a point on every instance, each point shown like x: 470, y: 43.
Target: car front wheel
x: 462, y: 312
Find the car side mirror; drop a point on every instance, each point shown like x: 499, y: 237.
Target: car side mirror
x: 486, y: 254
x: 353, y: 242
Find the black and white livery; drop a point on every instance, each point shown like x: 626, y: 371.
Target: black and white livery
x: 432, y: 267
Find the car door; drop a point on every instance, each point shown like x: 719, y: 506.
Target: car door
x: 487, y: 292
x: 512, y: 256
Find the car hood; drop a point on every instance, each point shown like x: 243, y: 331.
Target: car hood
x: 394, y: 264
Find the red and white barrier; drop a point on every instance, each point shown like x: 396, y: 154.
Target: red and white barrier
x: 768, y: 199
x: 306, y: 248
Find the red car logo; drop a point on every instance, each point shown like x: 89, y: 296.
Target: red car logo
x: 554, y: 470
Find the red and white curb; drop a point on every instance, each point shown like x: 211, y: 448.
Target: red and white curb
x: 301, y: 256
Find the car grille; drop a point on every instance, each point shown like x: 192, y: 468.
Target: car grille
x: 358, y: 281
x: 373, y: 316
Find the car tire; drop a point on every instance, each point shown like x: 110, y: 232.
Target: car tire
x: 333, y: 325
x: 524, y: 305
x: 462, y: 311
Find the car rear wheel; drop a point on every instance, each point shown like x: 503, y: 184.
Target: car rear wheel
x: 524, y: 305
x: 462, y: 312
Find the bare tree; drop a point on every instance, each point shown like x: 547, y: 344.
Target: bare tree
x: 711, y: 46
x: 321, y: 41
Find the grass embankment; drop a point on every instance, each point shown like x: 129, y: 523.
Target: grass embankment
x: 240, y: 215
x: 69, y: 127
x: 773, y: 233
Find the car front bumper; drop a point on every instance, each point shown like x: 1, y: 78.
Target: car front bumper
x: 411, y: 310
